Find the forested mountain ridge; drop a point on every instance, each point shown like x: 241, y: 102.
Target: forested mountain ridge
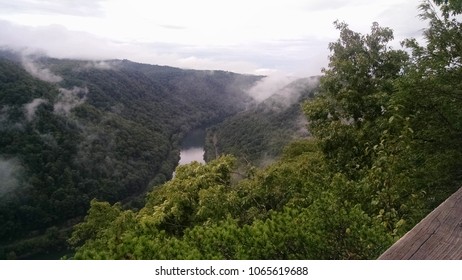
x: 385, y: 151
x: 259, y: 134
x: 77, y: 130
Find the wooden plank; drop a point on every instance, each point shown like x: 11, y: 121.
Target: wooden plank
x: 437, y: 237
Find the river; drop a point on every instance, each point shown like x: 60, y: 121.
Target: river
x: 192, y: 147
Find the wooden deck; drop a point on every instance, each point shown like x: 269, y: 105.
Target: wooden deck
x: 437, y: 237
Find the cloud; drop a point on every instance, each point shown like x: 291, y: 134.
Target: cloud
x: 193, y: 62
x: 68, y: 99
x: 102, y: 65
x: 10, y: 170
x: 322, y: 5
x: 58, y: 41
x: 31, y: 107
x: 41, y: 73
x: 291, y: 35
x: 404, y: 19
x: 301, y: 57
x: 269, y: 85
x: 278, y: 92
x: 240, y: 36
x: 291, y: 93
x: 68, y: 7
x: 171, y: 26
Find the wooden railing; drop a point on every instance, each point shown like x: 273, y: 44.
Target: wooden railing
x: 437, y: 237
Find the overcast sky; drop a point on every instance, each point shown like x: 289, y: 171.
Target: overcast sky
x: 246, y: 36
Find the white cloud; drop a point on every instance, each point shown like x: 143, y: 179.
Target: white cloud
x: 31, y: 108
x: 57, y: 41
x: 80, y: 8
x: 68, y: 99
x: 10, y: 170
x: 41, y: 73
x: 239, y: 35
x: 102, y: 65
x: 193, y: 62
x: 269, y: 85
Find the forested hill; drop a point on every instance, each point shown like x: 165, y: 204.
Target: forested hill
x: 385, y: 150
x: 259, y: 134
x: 76, y: 130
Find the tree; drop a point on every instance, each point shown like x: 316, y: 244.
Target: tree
x: 430, y: 97
x: 386, y: 149
x: 354, y: 93
x: 453, y: 5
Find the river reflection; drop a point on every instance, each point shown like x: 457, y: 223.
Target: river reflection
x: 192, y: 147
x: 192, y: 154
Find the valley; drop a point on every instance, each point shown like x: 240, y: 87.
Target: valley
x: 110, y: 132
x: 74, y: 131
x: 192, y: 147
x: 119, y: 160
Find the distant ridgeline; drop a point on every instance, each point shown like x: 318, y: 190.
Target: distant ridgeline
x: 384, y: 150
x: 72, y: 130
x: 259, y: 134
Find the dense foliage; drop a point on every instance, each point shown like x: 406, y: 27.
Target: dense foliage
x: 107, y: 130
x: 385, y: 151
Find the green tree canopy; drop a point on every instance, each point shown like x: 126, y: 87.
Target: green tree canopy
x: 385, y: 151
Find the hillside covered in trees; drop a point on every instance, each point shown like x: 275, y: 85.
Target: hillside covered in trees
x: 385, y: 150
x: 258, y: 135
x: 87, y: 151
x: 72, y: 131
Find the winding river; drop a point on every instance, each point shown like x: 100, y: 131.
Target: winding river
x: 192, y: 147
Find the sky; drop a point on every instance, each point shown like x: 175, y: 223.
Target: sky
x: 265, y: 37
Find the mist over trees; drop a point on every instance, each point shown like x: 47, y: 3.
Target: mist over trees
x: 259, y: 134
x: 87, y: 150
x: 108, y: 130
x: 385, y: 150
